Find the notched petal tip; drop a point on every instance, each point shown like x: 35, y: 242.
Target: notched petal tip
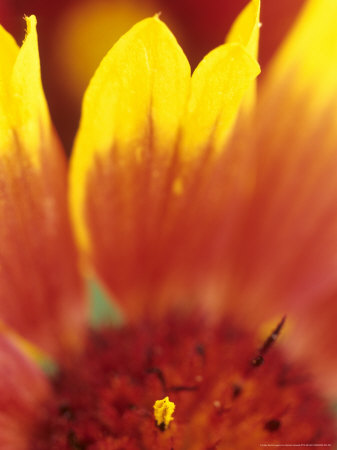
x: 218, y: 86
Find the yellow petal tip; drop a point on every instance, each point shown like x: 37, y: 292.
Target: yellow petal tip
x: 218, y: 85
x: 31, y: 22
x: 246, y: 31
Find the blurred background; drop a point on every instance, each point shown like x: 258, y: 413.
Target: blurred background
x: 74, y: 35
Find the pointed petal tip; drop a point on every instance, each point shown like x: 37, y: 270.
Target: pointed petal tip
x: 29, y: 108
x: 31, y: 22
x: 245, y: 29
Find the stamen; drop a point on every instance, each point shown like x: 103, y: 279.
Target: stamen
x: 272, y: 338
x: 259, y: 359
x: 163, y: 410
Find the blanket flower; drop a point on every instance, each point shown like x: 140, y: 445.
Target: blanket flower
x: 207, y: 211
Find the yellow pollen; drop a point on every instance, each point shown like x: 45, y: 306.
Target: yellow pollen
x: 163, y: 410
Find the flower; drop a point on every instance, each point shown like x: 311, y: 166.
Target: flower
x: 187, y: 199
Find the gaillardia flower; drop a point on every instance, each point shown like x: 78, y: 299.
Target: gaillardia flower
x: 207, y: 211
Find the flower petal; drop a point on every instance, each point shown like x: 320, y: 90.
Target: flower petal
x: 9, y: 52
x: 292, y: 229
x: 284, y: 254
x: 27, y: 99
x: 23, y: 390
x: 246, y: 31
x: 313, y: 339
x: 246, y: 28
x: 306, y: 63
x: 135, y: 101
x: 218, y: 86
x: 41, y: 290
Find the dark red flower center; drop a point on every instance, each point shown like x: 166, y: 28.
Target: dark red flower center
x: 229, y: 391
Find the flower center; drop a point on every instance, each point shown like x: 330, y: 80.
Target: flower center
x: 228, y: 392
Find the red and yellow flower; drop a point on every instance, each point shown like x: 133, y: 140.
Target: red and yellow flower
x: 207, y: 212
